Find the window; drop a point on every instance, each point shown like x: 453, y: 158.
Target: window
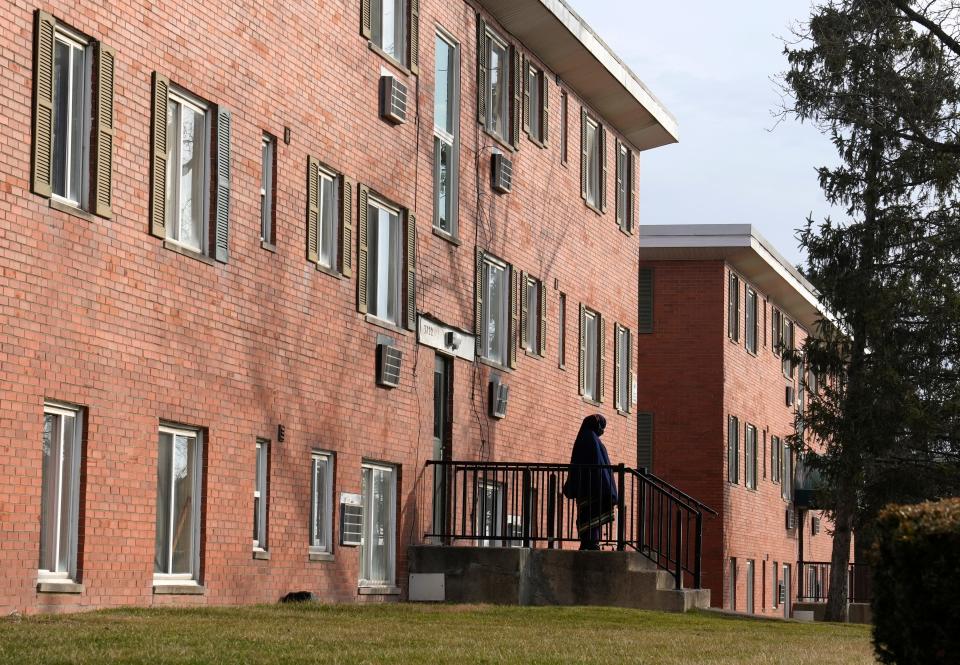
x: 592, y: 162
x: 187, y: 144
x: 494, y: 329
x: 750, y: 457
x: 446, y: 128
x: 786, y: 478
x: 328, y: 191
x: 733, y: 449
x: 532, y: 314
x: 623, y: 369
x: 260, y: 496
x: 564, y: 135
x: 750, y: 581
x: 776, y: 584
x: 71, y: 112
x: 497, y: 119
x: 733, y: 584
x: 536, y: 105
x: 625, y: 188
x: 388, y: 27
x: 787, y: 341
x: 268, y: 145
x: 321, y: 503
x: 591, y: 354
x: 378, y: 546
x: 776, y: 465
x: 562, y: 331
x: 60, y: 491
x: 489, y: 510
x: 384, y: 278
x: 179, y: 467
x: 733, y: 308
x: 752, y: 321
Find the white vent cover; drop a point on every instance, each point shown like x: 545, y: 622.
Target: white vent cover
x: 389, y: 364
x: 499, y: 394
x: 502, y: 173
x: 393, y: 100
x: 351, y: 520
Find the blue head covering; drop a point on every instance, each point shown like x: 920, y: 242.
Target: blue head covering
x: 589, y: 450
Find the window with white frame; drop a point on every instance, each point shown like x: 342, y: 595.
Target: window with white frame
x: 497, y: 93
x: 535, y: 114
x: 532, y: 288
x: 385, y: 270
x: 489, y: 510
x: 750, y: 456
x: 179, y: 468
x: 446, y: 127
x: 733, y: 307
x: 268, y: 148
x: 562, y: 331
x: 751, y: 565
x: 564, y: 136
x: 591, y: 355
x: 593, y: 161
x: 260, y: 497
x: 389, y: 27
x: 495, y: 328
x: 327, y: 232
x: 786, y: 475
x: 187, y: 165
x: 752, y: 321
x: 733, y: 449
x: 625, y: 176
x: 321, y: 503
x: 776, y: 454
x: 787, y: 344
x: 623, y: 366
x: 71, y: 117
x: 60, y: 491
x: 732, y: 588
x: 378, y: 540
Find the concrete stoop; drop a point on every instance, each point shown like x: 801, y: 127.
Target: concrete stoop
x: 518, y: 576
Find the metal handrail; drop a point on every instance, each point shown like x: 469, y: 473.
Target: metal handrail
x: 672, y: 488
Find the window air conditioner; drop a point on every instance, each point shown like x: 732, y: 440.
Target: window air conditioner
x: 499, y: 393
x: 791, y: 519
x: 393, y: 100
x: 789, y: 396
x: 502, y: 174
x: 389, y: 362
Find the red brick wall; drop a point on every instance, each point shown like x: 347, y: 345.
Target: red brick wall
x: 99, y: 314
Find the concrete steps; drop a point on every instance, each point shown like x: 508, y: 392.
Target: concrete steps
x: 517, y: 576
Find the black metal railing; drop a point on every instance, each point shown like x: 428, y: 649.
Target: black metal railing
x: 814, y: 582
x: 512, y: 504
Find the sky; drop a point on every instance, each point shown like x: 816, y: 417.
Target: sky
x: 713, y: 65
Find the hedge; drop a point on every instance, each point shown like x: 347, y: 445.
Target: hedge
x: 916, y: 584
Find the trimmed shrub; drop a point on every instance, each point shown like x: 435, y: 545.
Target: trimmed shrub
x: 916, y: 584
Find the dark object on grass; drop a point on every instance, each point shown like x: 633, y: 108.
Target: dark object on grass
x: 298, y: 597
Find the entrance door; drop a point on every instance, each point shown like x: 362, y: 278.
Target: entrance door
x: 442, y: 439
x: 787, y: 601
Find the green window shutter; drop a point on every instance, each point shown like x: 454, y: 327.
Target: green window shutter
x: 106, y: 59
x: 583, y: 349
x: 222, y: 212
x: 584, y: 156
x: 602, y: 353
x: 517, y: 60
x: 524, y: 310
x: 41, y: 180
x: 632, y: 212
x: 545, y: 113
x: 645, y: 441
x: 617, y: 360
x: 543, y: 320
x: 158, y: 149
x: 313, y: 210
x: 414, y: 36
x: 362, y: 250
x: 366, y: 19
x: 515, y: 309
x: 482, y: 74
x: 478, y: 300
x: 411, y: 276
x: 645, y: 321
x: 525, y: 70
x: 603, y: 167
x: 346, y: 226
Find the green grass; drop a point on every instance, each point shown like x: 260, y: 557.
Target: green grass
x: 310, y: 633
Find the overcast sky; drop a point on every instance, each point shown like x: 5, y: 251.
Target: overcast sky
x: 712, y: 64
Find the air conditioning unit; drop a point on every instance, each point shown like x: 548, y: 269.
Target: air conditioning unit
x: 791, y: 519
x: 393, y: 100
x: 789, y: 396
x: 502, y: 173
x: 389, y: 362
x: 815, y: 525
x: 499, y: 393
x: 351, y: 520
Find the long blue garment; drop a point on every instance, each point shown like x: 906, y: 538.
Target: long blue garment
x: 593, y: 488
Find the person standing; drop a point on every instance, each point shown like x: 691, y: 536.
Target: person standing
x: 590, y: 482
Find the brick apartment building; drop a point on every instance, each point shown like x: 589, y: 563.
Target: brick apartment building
x: 717, y: 401
x: 250, y: 252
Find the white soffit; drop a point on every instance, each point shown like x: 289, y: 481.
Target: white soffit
x: 574, y: 52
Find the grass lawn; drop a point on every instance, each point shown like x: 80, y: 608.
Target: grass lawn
x: 306, y: 633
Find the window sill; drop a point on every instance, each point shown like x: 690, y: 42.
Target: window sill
x: 591, y: 401
x: 71, y: 209
x: 185, y: 589
x: 328, y: 271
x: 593, y: 207
x: 321, y: 556
x: 390, y: 59
x: 193, y: 254
x: 269, y: 246
x: 503, y: 143
x: 378, y: 591
x: 494, y: 364
x: 627, y: 231
x: 380, y: 323
x: 56, y: 586
x: 532, y: 354
x: 625, y: 414
x: 449, y: 237
x: 261, y: 555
